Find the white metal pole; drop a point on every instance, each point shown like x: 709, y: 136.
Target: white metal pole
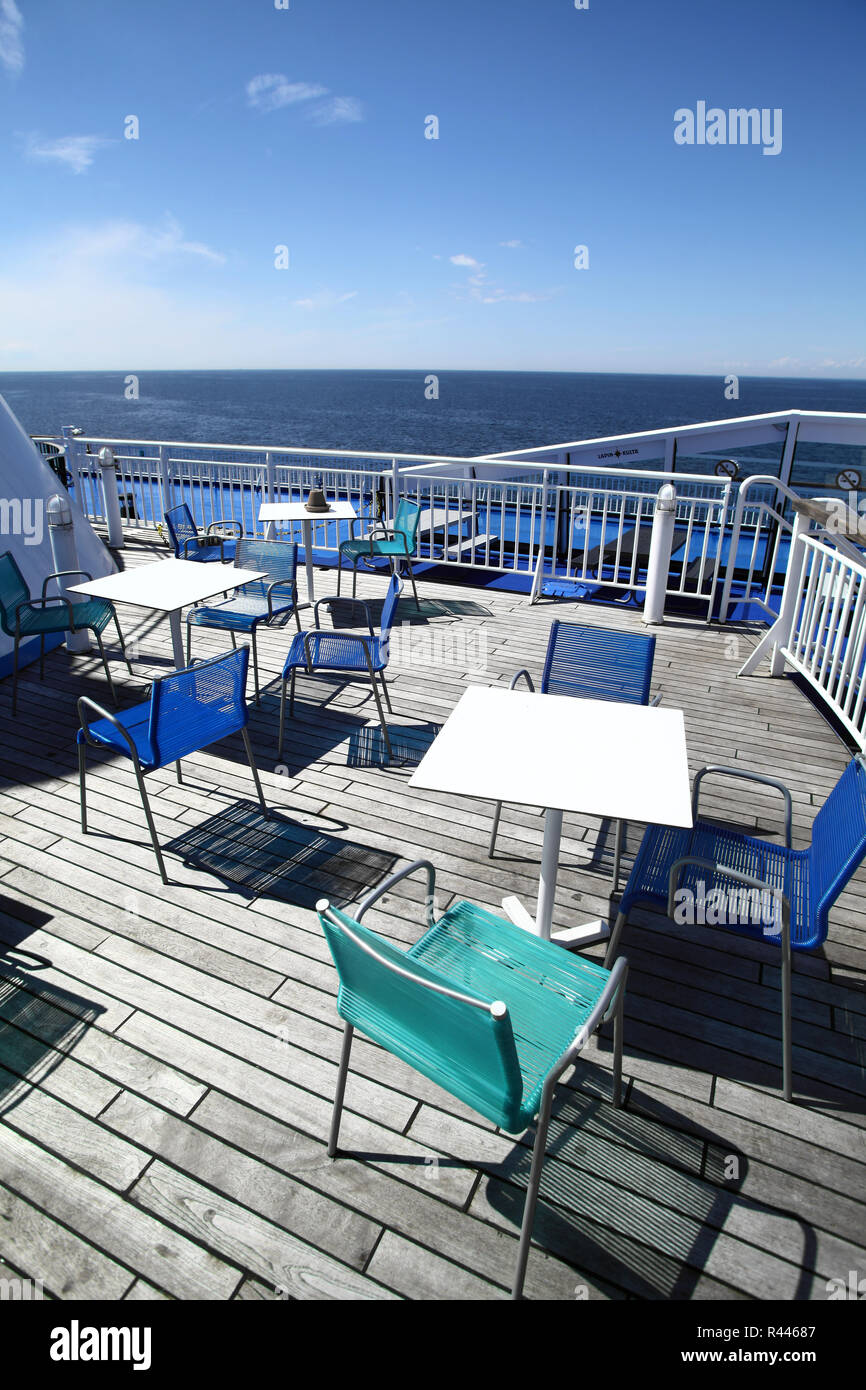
x: 549, y: 867
x: 661, y: 544
x: 61, y: 534
x: 111, y: 498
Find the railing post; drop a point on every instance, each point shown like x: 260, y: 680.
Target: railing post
x: 395, y: 485
x: 164, y: 479
x: 72, y: 453
x: 64, y: 553
x: 270, y: 528
x: 661, y: 543
x: 111, y: 498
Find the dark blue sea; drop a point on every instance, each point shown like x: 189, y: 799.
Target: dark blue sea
x: 475, y: 413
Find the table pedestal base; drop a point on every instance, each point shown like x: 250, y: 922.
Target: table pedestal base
x: 586, y: 934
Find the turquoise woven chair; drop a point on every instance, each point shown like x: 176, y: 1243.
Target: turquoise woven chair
x: 22, y: 616
x: 489, y: 1012
x: 187, y: 710
x: 271, y: 600
x: 208, y: 546
x: 345, y: 653
x: 395, y: 543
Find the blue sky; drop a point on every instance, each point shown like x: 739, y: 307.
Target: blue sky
x: 304, y: 127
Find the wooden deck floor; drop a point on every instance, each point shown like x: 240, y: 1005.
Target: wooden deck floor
x: 168, y: 1055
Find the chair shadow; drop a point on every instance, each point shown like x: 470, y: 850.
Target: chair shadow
x: 409, y: 743
x: 280, y: 858
x: 634, y: 1199
x: 40, y: 1024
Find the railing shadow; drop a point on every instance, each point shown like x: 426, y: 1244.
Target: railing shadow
x: 281, y: 858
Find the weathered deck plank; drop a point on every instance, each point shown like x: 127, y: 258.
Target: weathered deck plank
x: 168, y: 1061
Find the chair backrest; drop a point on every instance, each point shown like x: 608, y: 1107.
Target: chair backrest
x: 838, y: 843
x: 595, y: 663
x: 389, y: 608
x: 199, y: 705
x: 13, y: 591
x: 387, y: 995
x: 278, y: 559
x: 406, y: 520
x: 182, y: 528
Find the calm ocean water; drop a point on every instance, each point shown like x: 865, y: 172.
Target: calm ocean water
x: 476, y: 412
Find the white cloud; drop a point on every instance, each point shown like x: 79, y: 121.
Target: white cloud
x: 127, y: 240
x: 325, y: 299
x: 338, y: 111
x: 514, y: 245
x: 461, y: 259
x: 75, y: 151
x: 271, y: 90
x: 522, y: 297
x: 11, y: 46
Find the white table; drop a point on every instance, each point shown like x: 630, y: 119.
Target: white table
x: 167, y: 586
x: 297, y: 511
x: 593, y: 757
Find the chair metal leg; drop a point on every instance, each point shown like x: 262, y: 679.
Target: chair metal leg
x: 150, y: 825
x: 532, y: 1189
x: 348, y: 1033
x: 385, y: 692
x: 496, y: 814
x: 249, y: 747
x: 617, y: 855
x: 617, y: 1047
x: 255, y: 666
x: 292, y: 695
x: 42, y: 656
x: 610, y: 955
x: 354, y: 578
x: 282, y: 717
x: 123, y: 644
x: 188, y: 643
x: 787, y: 1052
x: 98, y: 636
x: 177, y: 769
x: 82, y: 785
x: 381, y: 715
x: 234, y: 639
x: 414, y: 590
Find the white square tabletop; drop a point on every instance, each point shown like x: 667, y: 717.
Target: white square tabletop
x: 596, y: 757
x: 168, y: 585
x: 297, y: 511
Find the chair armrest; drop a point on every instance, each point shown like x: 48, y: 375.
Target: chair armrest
x: 338, y: 598
x: 605, y: 1006
x: 749, y: 880
x: 41, y: 602
x: 281, y: 584
x: 63, y: 574
x: 103, y: 714
x: 389, y: 883
x: 522, y: 674
x: 748, y: 777
x: 497, y: 1009
x: 655, y: 701
x: 190, y: 540
x: 212, y: 525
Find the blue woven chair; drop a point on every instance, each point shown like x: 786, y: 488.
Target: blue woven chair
x: 593, y: 663
x: 394, y: 543
x: 344, y: 652
x: 489, y: 1012
x: 789, y: 892
x: 272, y: 600
x: 187, y: 711
x: 22, y: 616
x: 190, y: 543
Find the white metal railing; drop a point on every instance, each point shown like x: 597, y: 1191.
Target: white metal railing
x: 826, y: 640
